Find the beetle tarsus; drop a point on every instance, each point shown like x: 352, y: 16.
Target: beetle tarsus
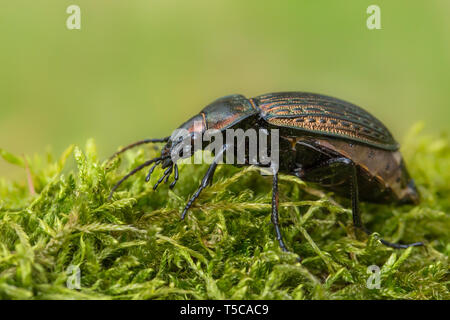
x: 400, y: 245
x: 207, y: 179
x: 147, y: 178
x: 191, y: 201
x: 175, y: 178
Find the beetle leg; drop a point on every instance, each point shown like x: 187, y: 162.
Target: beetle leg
x: 357, y: 217
x: 168, y: 176
x: 274, y: 217
x: 207, y: 179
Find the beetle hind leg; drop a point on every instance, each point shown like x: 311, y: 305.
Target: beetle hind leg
x: 400, y: 245
x: 357, y: 216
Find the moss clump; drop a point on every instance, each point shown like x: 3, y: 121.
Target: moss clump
x: 135, y: 247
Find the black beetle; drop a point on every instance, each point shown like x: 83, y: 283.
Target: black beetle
x: 323, y: 140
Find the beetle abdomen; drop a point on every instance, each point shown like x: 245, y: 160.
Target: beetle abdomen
x: 324, y: 115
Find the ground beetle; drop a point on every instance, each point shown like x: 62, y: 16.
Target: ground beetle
x: 323, y: 140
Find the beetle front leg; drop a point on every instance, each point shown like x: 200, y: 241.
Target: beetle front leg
x: 207, y: 179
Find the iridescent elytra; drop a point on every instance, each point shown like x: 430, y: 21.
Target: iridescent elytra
x: 323, y: 140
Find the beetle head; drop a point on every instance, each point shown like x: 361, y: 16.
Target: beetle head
x: 185, y: 135
x: 175, y: 148
x: 219, y: 115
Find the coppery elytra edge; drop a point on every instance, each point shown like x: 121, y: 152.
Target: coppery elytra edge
x: 323, y: 140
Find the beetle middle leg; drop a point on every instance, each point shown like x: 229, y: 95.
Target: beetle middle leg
x: 274, y: 217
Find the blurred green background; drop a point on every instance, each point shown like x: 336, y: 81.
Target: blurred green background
x: 137, y: 69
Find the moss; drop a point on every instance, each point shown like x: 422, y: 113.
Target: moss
x: 136, y: 247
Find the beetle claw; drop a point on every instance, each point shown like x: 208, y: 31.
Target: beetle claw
x: 175, y: 179
x: 147, y: 179
x: 166, y: 176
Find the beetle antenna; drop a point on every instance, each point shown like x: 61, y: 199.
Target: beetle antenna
x: 142, y: 166
x: 138, y: 143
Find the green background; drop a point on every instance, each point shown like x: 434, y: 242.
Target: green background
x: 137, y: 69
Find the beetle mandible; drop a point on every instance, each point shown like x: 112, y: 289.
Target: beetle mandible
x: 327, y: 141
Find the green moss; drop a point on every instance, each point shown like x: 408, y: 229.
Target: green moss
x: 136, y: 247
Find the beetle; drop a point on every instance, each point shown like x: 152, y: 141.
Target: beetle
x: 324, y: 140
